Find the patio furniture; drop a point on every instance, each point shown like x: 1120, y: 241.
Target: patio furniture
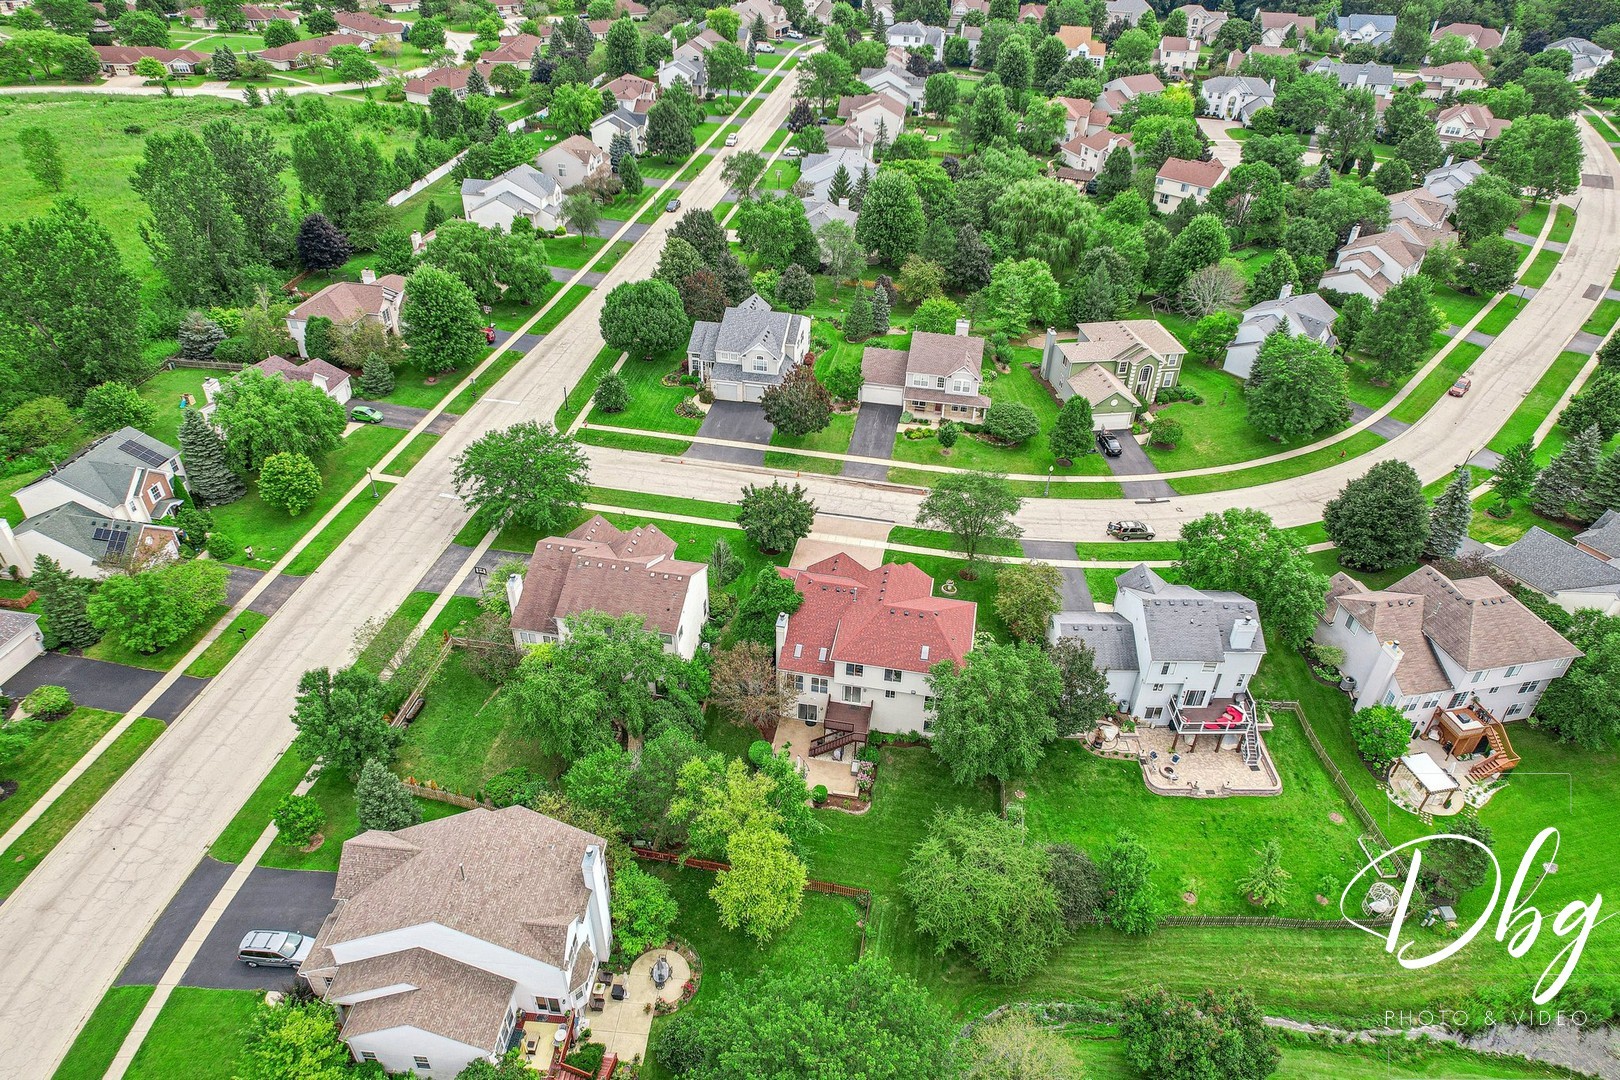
x: 660, y: 972
x: 599, y: 996
x: 619, y: 992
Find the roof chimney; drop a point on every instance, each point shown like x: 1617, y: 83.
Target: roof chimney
x: 368, y: 276
x: 961, y: 327
x: 1355, y: 233
x: 1287, y: 290
x: 1243, y: 632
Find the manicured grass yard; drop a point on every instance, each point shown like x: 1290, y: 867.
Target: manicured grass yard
x: 1563, y: 225
x: 1217, y: 432
x: 49, y: 757
x: 1355, y: 445
x: 1539, y: 402
x: 563, y: 307
x: 833, y: 439
x: 414, y: 451
x: 579, y: 396
x: 668, y: 504
x: 337, y: 530
x: 194, y: 1018
x: 1540, y: 269
x: 335, y: 792
x: 92, y: 1052
x: 572, y: 252
x: 1459, y: 307
x: 1533, y: 220
x: 652, y: 403
x: 228, y: 644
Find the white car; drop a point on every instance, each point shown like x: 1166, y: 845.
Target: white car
x: 792, y: 151
x: 765, y: 47
x: 731, y: 140
x: 794, y: 35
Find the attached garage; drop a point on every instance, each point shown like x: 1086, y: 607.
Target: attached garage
x: 1113, y: 407
x: 20, y: 642
x: 880, y: 395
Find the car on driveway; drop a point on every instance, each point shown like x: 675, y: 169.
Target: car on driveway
x: 793, y: 35
x: 1131, y: 530
x: 1109, y: 443
x: 765, y: 47
x: 365, y: 414
x: 791, y: 152
x: 672, y: 206
x: 1460, y: 387
x: 274, y: 948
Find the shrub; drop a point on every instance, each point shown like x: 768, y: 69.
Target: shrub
x: 759, y: 751
x: 612, y: 395
x: 818, y: 794
x: 679, y: 1045
x: 48, y: 703
x: 221, y: 546
x: 1166, y: 433
x: 298, y: 818
x: 706, y: 396
x: 1011, y: 422
x: 514, y: 787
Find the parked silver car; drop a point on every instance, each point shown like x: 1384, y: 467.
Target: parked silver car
x: 274, y: 948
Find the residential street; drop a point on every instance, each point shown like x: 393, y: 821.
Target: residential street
x: 111, y: 877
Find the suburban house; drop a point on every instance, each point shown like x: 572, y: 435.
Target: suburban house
x: 819, y: 211
x: 1179, y: 179
x: 1379, y: 78
x: 598, y: 567
x: 1371, y: 265
x: 917, y: 37
x: 419, y: 91
x: 1176, y: 55
x: 518, y: 49
x: 1450, y: 79
x: 938, y: 377
x: 85, y: 543
x: 254, y: 17
x: 569, y: 162
x: 819, y: 170
x: 629, y: 122
x: 858, y: 650
x: 1117, y: 366
x: 1306, y: 314
x: 1468, y: 123
x: 447, y: 936
x: 1129, y: 12
x: 20, y: 639
x: 1570, y: 575
x: 1236, y: 58
x: 698, y: 46
x: 1085, y: 154
x: 1276, y: 26
x: 1603, y: 537
x: 752, y: 347
x: 521, y: 191
x: 1420, y: 216
x: 881, y: 115
x: 369, y: 27
x: 1079, y: 42
x: 848, y: 137
x: 1428, y: 642
x: 1444, y: 181
x: 1587, y: 56
x: 347, y: 303
x: 121, y: 59
x: 896, y: 82
x: 126, y: 476
x: 774, y: 16
x: 301, y: 53
x: 1116, y: 92
x: 1031, y: 12
x: 1477, y: 36
x: 1084, y: 117
x: 1374, y: 30
x: 1237, y: 97
x: 629, y: 90
x: 1177, y: 657
x: 690, y: 70
x: 329, y: 379
x: 1203, y: 24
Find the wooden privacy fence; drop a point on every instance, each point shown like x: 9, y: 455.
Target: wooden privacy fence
x: 441, y: 795
x: 205, y: 365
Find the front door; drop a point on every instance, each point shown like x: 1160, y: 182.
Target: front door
x: 1144, y: 382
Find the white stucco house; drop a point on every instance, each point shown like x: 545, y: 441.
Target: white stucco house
x: 752, y: 347
x: 521, y: 191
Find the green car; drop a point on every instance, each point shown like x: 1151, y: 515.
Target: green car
x: 365, y: 414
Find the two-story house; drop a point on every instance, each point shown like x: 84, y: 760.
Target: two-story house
x: 1279, y: 28
x: 1085, y: 155
x: 820, y: 170
x: 1202, y: 24
x: 1136, y: 356
x: 774, y: 15
x: 1179, y: 179
x: 1444, y: 181
x: 1573, y: 576
x: 858, y: 651
x: 1365, y: 29
x: 1473, y: 124
x: 598, y: 567
x: 1081, y: 45
x: 349, y: 303
x: 917, y: 37
x: 1377, y: 78
x: 1176, y: 55
x: 1177, y: 657
x: 1372, y: 264
x: 629, y: 90
x: 1428, y: 642
x: 1306, y: 314
x: 881, y: 114
x: 1450, y: 79
x: 1127, y: 12
x: 569, y: 162
x: 329, y: 379
x: 1118, y: 92
x: 631, y: 122
x: 690, y: 70
x: 938, y: 377
x: 896, y: 81
x: 521, y: 191
x: 752, y: 347
x: 1479, y: 37
x: 447, y: 936
x: 1083, y: 117
x: 1237, y: 97
x: 1587, y: 56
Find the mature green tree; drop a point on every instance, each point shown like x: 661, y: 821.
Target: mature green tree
x: 1452, y: 513
x: 1241, y: 550
x: 669, y: 131
x: 114, y: 405
x: 383, y: 801
x: 727, y: 65
x: 491, y: 262
x: 1455, y: 867
x: 63, y: 600
x: 763, y: 889
x: 768, y: 597
x: 155, y: 608
x: 1084, y: 698
x: 866, y: 1021
x: 1213, y: 334
x: 799, y: 405
x: 376, y: 378
x: 994, y: 715
x: 1381, y: 733
x: 775, y: 518
x: 979, y: 882
x: 1598, y: 403
x: 1487, y: 207
x: 341, y: 717
x: 321, y: 245
x: 975, y: 508
x: 1489, y: 265
x: 340, y: 171
x: 294, y: 1038
x: 444, y: 325
x: 289, y: 481
x: 1127, y: 870
x: 266, y: 414
x: 37, y: 423
x: 1539, y: 156
x: 1560, y: 490
x: 1582, y: 706
x: 644, y: 318
x: 777, y: 230
x: 1296, y: 388
x: 824, y: 76
x: 796, y: 289
x: 1220, y: 1036
x: 209, y: 476
x: 1380, y: 519
x: 1115, y: 177
x: 69, y: 309
x: 1269, y: 279
x: 644, y: 910
x: 1014, y: 1047
x: 1072, y: 431
x: 1514, y: 477
x: 891, y: 220
x: 624, y: 51
x: 1397, y: 335
x: 1022, y: 291
x: 940, y: 94
x: 1202, y: 243
x: 1027, y: 596
x: 527, y: 474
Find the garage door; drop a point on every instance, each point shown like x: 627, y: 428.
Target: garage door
x: 880, y: 395
x: 1111, y: 421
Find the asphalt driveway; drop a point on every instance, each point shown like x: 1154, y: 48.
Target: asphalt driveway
x: 100, y: 685
x: 278, y: 592
x: 269, y: 900
x: 1133, y: 462
x: 739, y: 421
x: 1076, y: 594
x: 875, y: 426
x: 404, y: 417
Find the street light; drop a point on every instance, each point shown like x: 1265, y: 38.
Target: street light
x: 1049, y: 469
x: 373, y: 480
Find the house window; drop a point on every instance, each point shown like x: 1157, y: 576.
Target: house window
x: 1122, y: 368
x: 367, y: 1055
x: 423, y: 1063
x: 1478, y: 675
x: 1514, y: 670
x: 1389, y: 697
x: 855, y: 670
x: 798, y: 683
x: 1493, y: 690
x: 1432, y: 703
x: 1530, y: 687
x: 1193, y: 698
x: 1155, y: 713
x: 1166, y: 669
x: 1210, y: 665
x: 1515, y: 710
x: 155, y: 491
x: 891, y: 674
x: 759, y: 364
x: 818, y: 684
x: 928, y: 703
x: 928, y: 724
x: 889, y: 694
x: 961, y: 386
x: 852, y: 694
x: 1457, y: 700
x: 1349, y: 621
x: 807, y: 712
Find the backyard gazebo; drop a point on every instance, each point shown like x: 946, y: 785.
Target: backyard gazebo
x: 1419, y: 778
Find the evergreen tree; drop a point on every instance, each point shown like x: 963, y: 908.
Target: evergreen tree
x: 223, y: 65
x: 1562, y: 483
x: 841, y: 187
x: 1115, y: 177
x: 861, y: 184
x: 209, y: 478
x: 1379, y: 520
x: 1515, y: 475
x: 795, y: 289
x: 376, y: 378
x: 198, y: 336
x: 433, y: 218
x: 880, y: 312
x: 382, y: 800
x: 477, y: 85
x: 1448, y: 520
x: 63, y: 599
x: 618, y: 150
x: 858, y: 323
x: 1603, y: 491
x: 630, y: 175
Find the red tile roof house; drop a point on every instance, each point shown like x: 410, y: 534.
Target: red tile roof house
x: 288, y: 57
x: 253, y: 17
x: 119, y: 60
x: 346, y: 303
x: 601, y: 568
x: 858, y: 650
x: 368, y: 26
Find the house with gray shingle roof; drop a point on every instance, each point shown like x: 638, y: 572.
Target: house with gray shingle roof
x: 1569, y: 575
x: 938, y: 377
x: 1587, y: 56
x: 1237, y: 97
x: 86, y: 543
x: 1379, y: 78
x: 521, y: 191
x: 126, y: 476
x: 445, y: 935
x: 752, y: 347
x: 20, y: 640
x: 1306, y: 314
x: 1603, y: 538
x: 1374, y: 30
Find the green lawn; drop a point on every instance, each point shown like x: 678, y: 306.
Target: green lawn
x: 1437, y: 382
x: 113, y: 651
x: 572, y: 252
x: 227, y: 645
x: 915, y: 537
x: 668, y: 504
x: 335, y: 793
x: 1217, y: 432
x: 98, y: 1042
x: 19, y: 860
x: 414, y: 451
x: 1540, y: 270
x: 337, y: 530
x: 1539, y: 402
x: 1354, y: 446
x: 563, y: 306
x: 1506, y: 309
x: 1532, y: 221
x: 832, y: 439
x: 581, y: 393
x: 652, y: 402
x: 1458, y: 307
x: 242, y: 833
x: 641, y: 444
x: 1563, y: 225
x: 194, y: 1018
x: 48, y: 758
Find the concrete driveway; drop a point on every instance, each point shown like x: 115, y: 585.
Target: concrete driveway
x: 875, y: 426
x: 98, y: 684
x: 404, y: 417
x: 739, y: 421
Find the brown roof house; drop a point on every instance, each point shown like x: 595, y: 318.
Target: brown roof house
x: 121, y: 59
x: 598, y: 567
x: 1275, y: 27
x: 301, y: 53
x: 329, y: 379
x: 938, y: 377
x: 1116, y: 366
x: 369, y: 27
x: 348, y: 303
x: 1179, y: 179
x: 1428, y: 642
x: 446, y: 933
x: 1477, y: 36
x: 571, y: 161
x: 1468, y: 123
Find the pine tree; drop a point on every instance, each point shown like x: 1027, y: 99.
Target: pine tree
x: 841, y: 186
x: 1603, y: 491
x: 376, y: 378
x: 223, y: 65
x: 433, y: 218
x: 1515, y: 475
x: 858, y: 323
x: 63, y: 599
x: 618, y: 149
x: 1561, y: 483
x: 861, y: 184
x: 382, y: 800
x: 880, y: 312
x: 251, y: 96
x: 1588, y: 450
x: 630, y: 175
x: 211, y: 481
x: 477, y: 85
x: 1449, y: 519
x: 198, y: 336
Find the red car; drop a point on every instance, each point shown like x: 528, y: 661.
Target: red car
x: 489, y: 333
x: 1460, y: 387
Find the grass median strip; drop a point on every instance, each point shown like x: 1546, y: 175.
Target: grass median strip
x: 1434, y: 387
x: 19, y: 860
x: 191, y: 1019
x: 570, y: 300
x: 227, y: 645
x: 641, y: 444
x: 666, y: 504
x: 1539, y: 402
x: 113, y: 651
x: 1358, y: 444
x: 337, y: 530
x: 579, y: 395
x: 1540, y: 269
x: 98, y: 1042
x: 414, y: 451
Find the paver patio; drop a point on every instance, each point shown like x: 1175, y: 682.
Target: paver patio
x: 622, y: 1026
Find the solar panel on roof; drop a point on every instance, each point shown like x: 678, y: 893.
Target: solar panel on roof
x: 117, y: 540
x: 142, y: 453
